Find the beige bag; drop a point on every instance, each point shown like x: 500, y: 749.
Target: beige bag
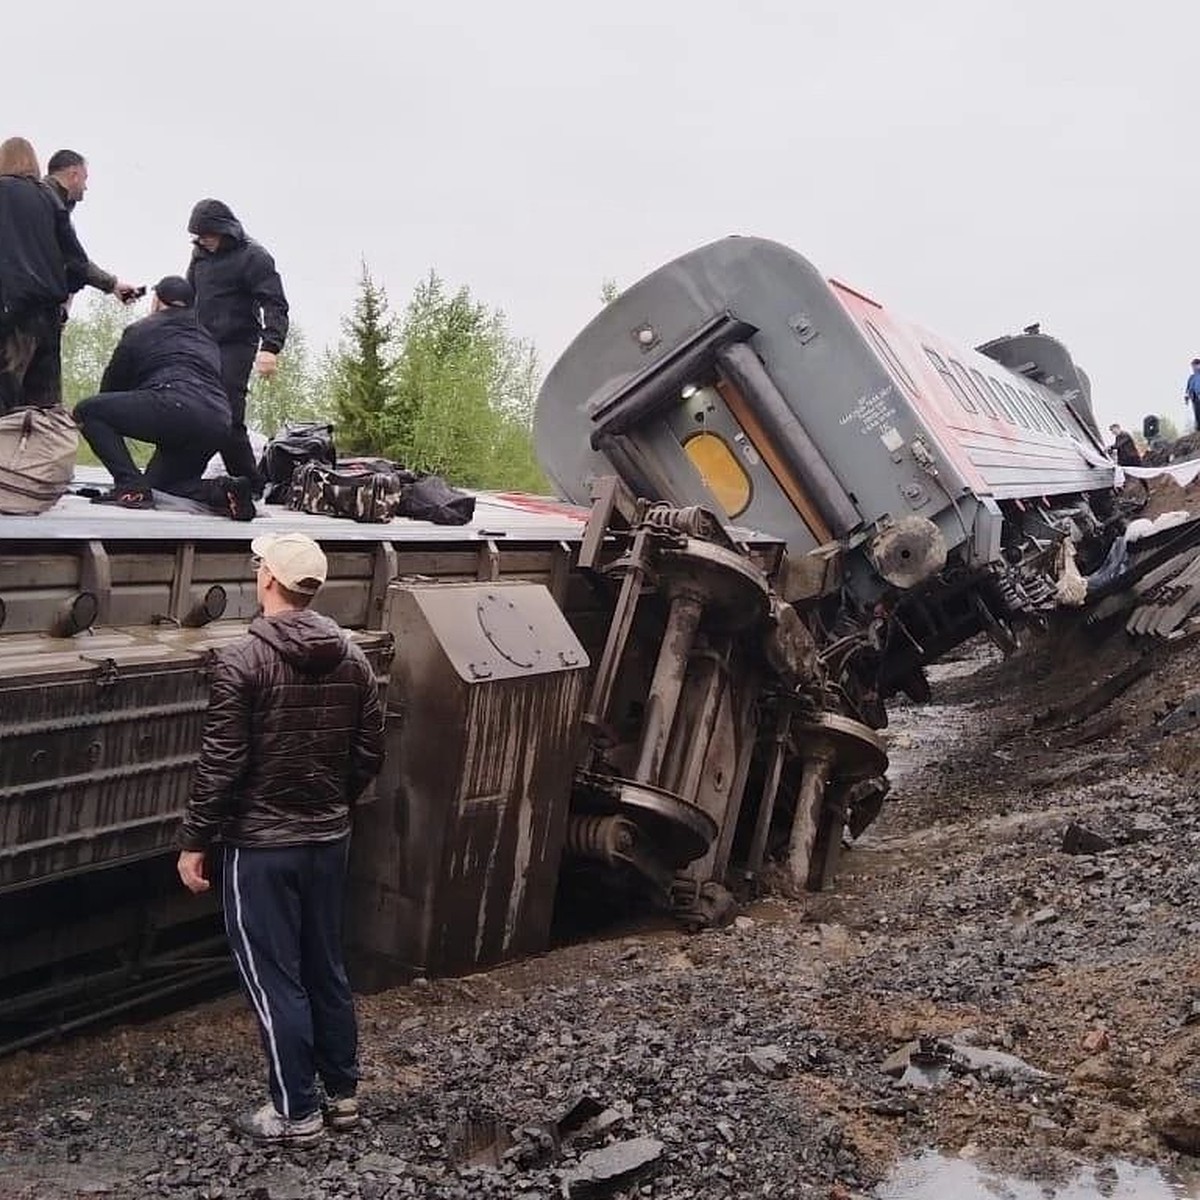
x: 37, y: 458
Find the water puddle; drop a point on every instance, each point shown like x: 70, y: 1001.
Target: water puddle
x: 933, y: 1177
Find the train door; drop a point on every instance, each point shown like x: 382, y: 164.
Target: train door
x: 739, y: 467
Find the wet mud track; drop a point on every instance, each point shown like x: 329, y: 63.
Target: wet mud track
x: 751, y: 1060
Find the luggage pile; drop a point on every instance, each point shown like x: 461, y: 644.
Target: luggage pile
x: 302, y: 470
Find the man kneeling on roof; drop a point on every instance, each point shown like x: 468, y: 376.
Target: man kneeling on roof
x: 163, y: 385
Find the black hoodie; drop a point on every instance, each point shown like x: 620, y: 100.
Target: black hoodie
x: 239, y: 295
x: 294, y: 734
x: 41, y: 260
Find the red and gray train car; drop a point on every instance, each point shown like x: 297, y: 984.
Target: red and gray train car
x: 923, y: 488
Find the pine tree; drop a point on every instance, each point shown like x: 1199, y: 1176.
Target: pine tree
x: 363, y: 372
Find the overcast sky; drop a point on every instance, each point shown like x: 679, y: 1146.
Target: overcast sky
x: 974, y: 165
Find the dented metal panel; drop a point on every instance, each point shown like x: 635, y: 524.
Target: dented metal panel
x: 456, y: 863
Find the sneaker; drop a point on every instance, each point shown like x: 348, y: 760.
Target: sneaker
x: 341, y: 1112
x: 239, y: 498
x: 266, y: 1125
x: 126, y: 498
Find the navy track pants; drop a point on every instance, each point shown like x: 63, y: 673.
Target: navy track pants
x: 283, y: 917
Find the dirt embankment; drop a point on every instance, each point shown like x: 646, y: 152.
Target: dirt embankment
x: 754, y: 1055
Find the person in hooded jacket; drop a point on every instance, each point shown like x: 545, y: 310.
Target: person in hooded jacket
x: 41, y: 264
x: 163, y: 386
x: 241, y: 302
x: 293, y: 736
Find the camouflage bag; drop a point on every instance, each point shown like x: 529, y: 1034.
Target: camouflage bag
x: 352, y: 491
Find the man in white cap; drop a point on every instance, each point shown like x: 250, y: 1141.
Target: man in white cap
x: 293, y: 736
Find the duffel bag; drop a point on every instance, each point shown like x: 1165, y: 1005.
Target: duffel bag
x: 37, y: 458
x: 296, y: 445
x: 431, y: 498
x: 369, y: 496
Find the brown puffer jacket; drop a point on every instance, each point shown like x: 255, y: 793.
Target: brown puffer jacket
x: 294, y: 734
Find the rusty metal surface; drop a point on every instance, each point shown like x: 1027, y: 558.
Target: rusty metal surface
x: 456, y: 862
x: 98, y: 736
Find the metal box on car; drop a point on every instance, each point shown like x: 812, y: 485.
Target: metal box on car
x: 456, y: 861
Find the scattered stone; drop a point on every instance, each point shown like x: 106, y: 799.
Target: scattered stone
x: 381, y: 1164
x: 743, y: 924
x: 1077, y: 839
x: 1044, y: 916
x: 605, y: 1171
x: 892, y: 1106
x: 1095, y: 1040
x: 930, y: 1061
x: 771, y: 1061
x: 1143, y: 827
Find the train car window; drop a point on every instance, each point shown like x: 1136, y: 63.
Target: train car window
x: 989, y: 401
x: 1055, y: 420
x: 721, y: 471
x: 951, y: 380
x: 1031, y: 421
x: 969, y: 386
x: 1014, y: 418
x: 889, y: 356
x: 1039, y: 407
x: 1039, y: 410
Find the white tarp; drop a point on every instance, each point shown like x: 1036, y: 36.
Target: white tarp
x: 1182, y: 472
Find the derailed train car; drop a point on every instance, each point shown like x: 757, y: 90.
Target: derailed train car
x: 579, y: 704
x: 925, y: 491
x: 795, y: 500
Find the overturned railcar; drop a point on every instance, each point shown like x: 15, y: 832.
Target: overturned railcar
x: 925, y: 491
x: 595, y: 708
x: 787, y: 500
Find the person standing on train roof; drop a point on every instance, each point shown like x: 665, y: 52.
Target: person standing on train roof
x: 241, y: 302
x: 1191, y: 392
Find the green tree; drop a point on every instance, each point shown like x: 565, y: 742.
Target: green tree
x: 362, y: 371
x: 465, y: 392
x: 298, y: 392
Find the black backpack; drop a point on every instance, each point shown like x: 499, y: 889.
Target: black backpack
x: 296, y: 445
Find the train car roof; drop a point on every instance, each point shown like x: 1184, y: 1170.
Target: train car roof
x: 511, y: 516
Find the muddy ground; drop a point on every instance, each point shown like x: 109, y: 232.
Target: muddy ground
x: 753, y: 1055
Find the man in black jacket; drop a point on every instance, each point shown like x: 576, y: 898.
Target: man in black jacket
x: 41, y: 264
x: 293, y: 736
x: 239, y: 296
x: 67, y: 180
x: 163, y: 385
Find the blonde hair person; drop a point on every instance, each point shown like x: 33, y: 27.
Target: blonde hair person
x: 42, y: 264
x: 17, y: 157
